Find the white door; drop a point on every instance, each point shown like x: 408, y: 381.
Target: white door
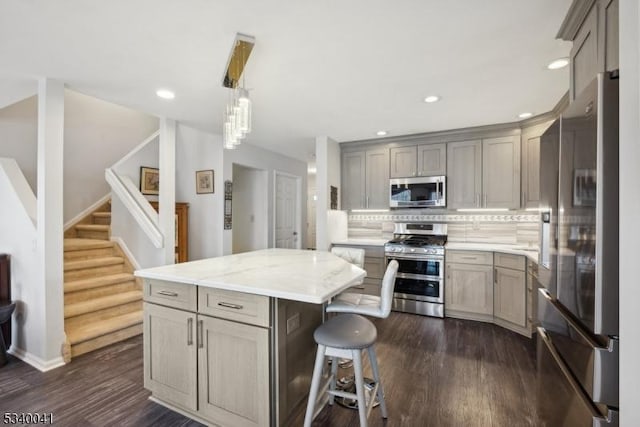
x: 287, y: 233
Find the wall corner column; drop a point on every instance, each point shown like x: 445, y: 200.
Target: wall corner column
x: 167, y: 197
x: 50, y: 221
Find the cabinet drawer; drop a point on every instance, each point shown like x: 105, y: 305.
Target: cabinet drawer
x: 516, y: 262
x: 470, y: 257
x: 171, y: 294
x: 238, y: 306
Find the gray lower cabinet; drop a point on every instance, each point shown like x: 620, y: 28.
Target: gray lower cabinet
x: 490, y: 287
x: 170, y: 355
x: 233, y: 366
x: 469, y: 286
x: 365, y: 179
x: 225, y: 358
x: 216, y: 369
x: 510, y: 293
x: 374, y: 265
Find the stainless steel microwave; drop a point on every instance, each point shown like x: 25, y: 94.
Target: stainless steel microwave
x: 422, y: 192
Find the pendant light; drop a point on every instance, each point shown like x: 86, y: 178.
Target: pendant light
x: 237, y: 118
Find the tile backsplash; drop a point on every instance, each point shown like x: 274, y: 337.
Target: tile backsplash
x: 518, y: 228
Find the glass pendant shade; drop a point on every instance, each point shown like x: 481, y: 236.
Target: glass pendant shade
x: 244, y: 104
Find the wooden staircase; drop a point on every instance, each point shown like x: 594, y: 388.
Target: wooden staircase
x: 102, y: 298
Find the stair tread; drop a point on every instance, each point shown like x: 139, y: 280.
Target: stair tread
x: 95, y: 329
x: 95, y: 282
x: 96, y: 304
x: 92, y: 262
x: 76, y: 244
x: 92, y: 227
x: 102, y: 214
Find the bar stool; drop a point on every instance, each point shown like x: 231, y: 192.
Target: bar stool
x: 368, y: 305
x: 345, y: 336
x: 6, y: 309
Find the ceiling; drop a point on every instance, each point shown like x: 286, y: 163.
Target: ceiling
x: 343, y: 69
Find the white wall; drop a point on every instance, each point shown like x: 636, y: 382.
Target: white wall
x: 18, y: 237
x: 311, y: 211
x: 629, y: 209
x: 327, y: 175
x: 147, y: 156
x: 258, y: 158
x: 96, y: 135
x: 249, y: 210
x: 18, y: 136
x: 197, y: 150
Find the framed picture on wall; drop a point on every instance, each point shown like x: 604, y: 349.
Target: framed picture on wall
x: 149, y: 180
x: 204, y: 182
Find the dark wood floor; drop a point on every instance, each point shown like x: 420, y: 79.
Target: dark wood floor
x: 435, y: 372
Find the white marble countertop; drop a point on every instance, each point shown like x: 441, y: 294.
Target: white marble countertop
x: 530, y: 252
x: 299, y: 275
x: 357, y: 241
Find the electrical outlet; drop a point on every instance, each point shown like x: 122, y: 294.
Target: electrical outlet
x: 293, y: 323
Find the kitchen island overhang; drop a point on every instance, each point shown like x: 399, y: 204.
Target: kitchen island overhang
x: 229, y: 340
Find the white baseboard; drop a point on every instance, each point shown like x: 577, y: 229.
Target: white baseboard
x: 38, y: 363
x: 86, y: 212
x: 127, y: 252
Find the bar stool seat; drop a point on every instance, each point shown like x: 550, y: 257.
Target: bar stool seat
x: 6, y: 309
x: 345, y: 336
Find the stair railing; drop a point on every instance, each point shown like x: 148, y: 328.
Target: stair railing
x: 133, y: 200
x: 15, y: 181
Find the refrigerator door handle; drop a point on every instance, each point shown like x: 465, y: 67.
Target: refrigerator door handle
x: 597, y: 416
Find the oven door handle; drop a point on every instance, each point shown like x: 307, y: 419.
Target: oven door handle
x: 418, y: 257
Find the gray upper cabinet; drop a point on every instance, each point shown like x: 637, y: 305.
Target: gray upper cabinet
x: 584, y: 53
x: 365, y: 179
x: 403, y: 162
x: 421, y: 160
x: 432, y: 159
x: 530, y: 172
x: 530, y: 178
x: 501, y: 172
x: 377, y: 179
x: 353, y: 180
x: 484, y: 173
x: 464, y: 174
x: 593, y: 27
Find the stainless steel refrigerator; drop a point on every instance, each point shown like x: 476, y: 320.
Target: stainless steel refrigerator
x: 577, y: 348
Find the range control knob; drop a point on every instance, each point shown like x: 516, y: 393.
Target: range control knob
x: 413, y: 249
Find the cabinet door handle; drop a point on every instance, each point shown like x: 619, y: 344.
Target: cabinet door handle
x: 524, y: 198
x: 477, y: 200
x: 485, y: 200
x: 229, y: 305
x: 495, y: 275
x: 200, y: 334
x: 469, y: 257
x: 190, y: 331
x: 367, y: 202
x: 361, y: 288
x: 167, y: 293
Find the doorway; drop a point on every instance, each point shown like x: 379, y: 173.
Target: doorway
x: 250, y: 208
x: 287, y: 211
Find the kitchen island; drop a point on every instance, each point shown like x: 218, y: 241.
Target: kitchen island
x: 229, y: 341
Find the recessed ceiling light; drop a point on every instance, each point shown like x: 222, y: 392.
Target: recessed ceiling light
x: 432, y: 98
x: 165, y: 94
x: 558, y: 63
x: 381, y: 133
x: 525, y: 115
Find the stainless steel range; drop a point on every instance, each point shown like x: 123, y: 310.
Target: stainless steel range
x: 419, y: 250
